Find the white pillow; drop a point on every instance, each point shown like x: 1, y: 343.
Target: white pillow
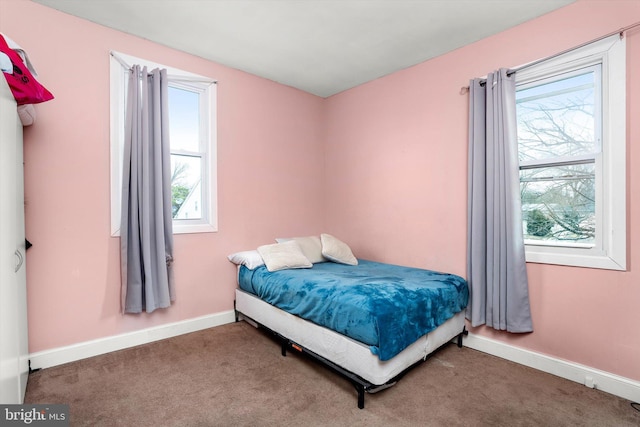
x: 311, y: 247
x: 250, y: 259
x: 336, y: 250
x: 281, y: 256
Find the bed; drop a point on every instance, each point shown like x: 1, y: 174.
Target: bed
x: 370, y: 322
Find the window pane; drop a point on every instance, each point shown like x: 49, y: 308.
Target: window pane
x: 184, y: 117
x: 557, y: 118
x: 558, y: 203
x: 186, y: 190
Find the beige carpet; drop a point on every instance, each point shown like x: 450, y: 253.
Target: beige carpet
x: 234, y: 375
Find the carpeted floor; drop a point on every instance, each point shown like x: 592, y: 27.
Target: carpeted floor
x: 234, y: 375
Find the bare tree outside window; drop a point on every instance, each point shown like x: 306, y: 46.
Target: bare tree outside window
x: 186, y: 192
x: 558, y: 140
x: 179, y: 190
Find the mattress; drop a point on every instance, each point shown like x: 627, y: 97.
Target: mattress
x: 388, y: 307
x: 346, y: 352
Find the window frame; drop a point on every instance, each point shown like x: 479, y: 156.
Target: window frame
x: 609, y: 251
x: 182, y: 80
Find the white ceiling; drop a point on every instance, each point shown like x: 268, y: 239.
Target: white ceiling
x: 319, y: 46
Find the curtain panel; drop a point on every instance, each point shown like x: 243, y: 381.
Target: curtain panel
x: 146, y: 233
x: 496, y: 265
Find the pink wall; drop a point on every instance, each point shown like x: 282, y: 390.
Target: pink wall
x: 394, y: 185
x: 269, y: 140
x: 396, y: 149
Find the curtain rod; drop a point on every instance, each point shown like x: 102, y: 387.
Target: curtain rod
x: 173, y: 77
x: 621, y: 31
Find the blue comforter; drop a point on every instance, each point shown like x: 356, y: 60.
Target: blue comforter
x: 387, y: 307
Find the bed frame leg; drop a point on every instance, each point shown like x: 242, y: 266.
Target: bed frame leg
x: 284, y: 348
x: 360, y: 390
x: 465, y: 333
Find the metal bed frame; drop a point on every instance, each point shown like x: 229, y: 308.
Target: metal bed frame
x: 361, y: 385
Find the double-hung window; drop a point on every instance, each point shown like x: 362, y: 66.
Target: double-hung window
x: 571, y: 145
x: 192, y: 128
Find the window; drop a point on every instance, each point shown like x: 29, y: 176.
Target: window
x: 571, y: 145
x: 193, y: 146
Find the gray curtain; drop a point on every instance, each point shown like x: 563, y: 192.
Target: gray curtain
x: 496, y: 267
x: 146, y: 233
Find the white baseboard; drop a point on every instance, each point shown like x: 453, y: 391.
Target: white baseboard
x: 61, y: 355
x: 590, y: 377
